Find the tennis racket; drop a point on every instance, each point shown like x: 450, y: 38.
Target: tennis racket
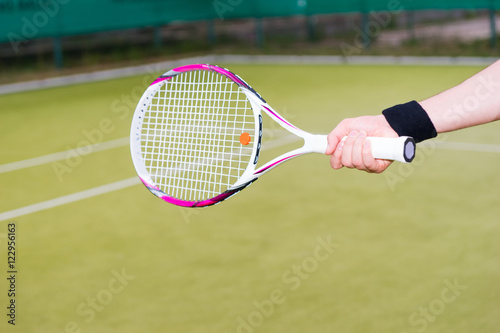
x: 196, y: 136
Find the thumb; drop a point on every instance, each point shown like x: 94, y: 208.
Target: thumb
x: 338, y: 133
x: 333, y: 141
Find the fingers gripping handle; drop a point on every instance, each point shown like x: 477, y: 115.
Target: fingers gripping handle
x: 400, y: 149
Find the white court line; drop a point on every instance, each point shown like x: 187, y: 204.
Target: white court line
x: 242, y: 59
x: 69, y: 198
x: 122, y: 184
x: 119, y: 185
x: 463, y: 146
x: 85, y: 150
x: 82, y: 151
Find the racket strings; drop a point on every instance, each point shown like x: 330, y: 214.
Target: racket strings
x: 190, y: 135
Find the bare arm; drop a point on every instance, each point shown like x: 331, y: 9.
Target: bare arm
x: 473, y: 102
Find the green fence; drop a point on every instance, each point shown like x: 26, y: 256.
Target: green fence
x: 29, y: 19
x: 25, y: 20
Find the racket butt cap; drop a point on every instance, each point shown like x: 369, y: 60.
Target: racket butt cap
x: 400, y: 149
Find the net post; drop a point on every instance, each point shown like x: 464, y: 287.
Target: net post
x: 311, y: 27
x: 58, y: 54
x: 259, y: 32
x: 157, y: 37
x: 365, y: 28
x: 410, y: 25
x: 211, y: 35
x: 493, y: 28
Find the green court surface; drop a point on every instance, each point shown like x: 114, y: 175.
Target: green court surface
x: 304, y: 249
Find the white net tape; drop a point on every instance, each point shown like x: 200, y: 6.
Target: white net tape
x: 190, y: 135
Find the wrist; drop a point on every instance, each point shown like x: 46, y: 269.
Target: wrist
x: 384, y: 126
x: 410, y: 119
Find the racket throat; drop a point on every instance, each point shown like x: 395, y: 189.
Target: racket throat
x: 314, y: 143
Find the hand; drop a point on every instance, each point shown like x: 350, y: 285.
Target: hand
x: 355, y: 151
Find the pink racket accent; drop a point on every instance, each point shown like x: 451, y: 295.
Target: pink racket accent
x: 204, y: 203
x: 192, y: 67
x: 230, y: 75
x: 274, y: 113
x: 211, y: 68
x: 275, y: 163
x: 160, y: 79
x: 183, y: 203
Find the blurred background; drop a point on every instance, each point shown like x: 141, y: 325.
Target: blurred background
x: 304, y: 249
x: 45, y: 34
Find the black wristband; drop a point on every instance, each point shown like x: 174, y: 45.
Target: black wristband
x: 410, y: 119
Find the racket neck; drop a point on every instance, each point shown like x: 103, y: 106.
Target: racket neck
x: 315, y: 143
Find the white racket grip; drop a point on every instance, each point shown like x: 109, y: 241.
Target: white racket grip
x: 400, y: 149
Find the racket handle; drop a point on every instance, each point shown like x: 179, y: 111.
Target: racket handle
x: 400, y: 149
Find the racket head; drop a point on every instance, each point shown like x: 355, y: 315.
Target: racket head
x: 195, y: 135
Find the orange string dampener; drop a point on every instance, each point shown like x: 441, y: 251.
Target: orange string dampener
x: 245, y: 138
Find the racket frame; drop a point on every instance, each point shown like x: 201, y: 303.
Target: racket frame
x: 313, y: 143
x: 135, y: 137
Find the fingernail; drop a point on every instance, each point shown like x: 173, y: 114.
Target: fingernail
x: 340, y: 145
x: 353, y: 134
x: 362, y: 134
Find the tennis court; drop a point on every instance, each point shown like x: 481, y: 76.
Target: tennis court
x: 304, y: 249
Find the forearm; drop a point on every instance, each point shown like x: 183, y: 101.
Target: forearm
x: 473, y: 102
